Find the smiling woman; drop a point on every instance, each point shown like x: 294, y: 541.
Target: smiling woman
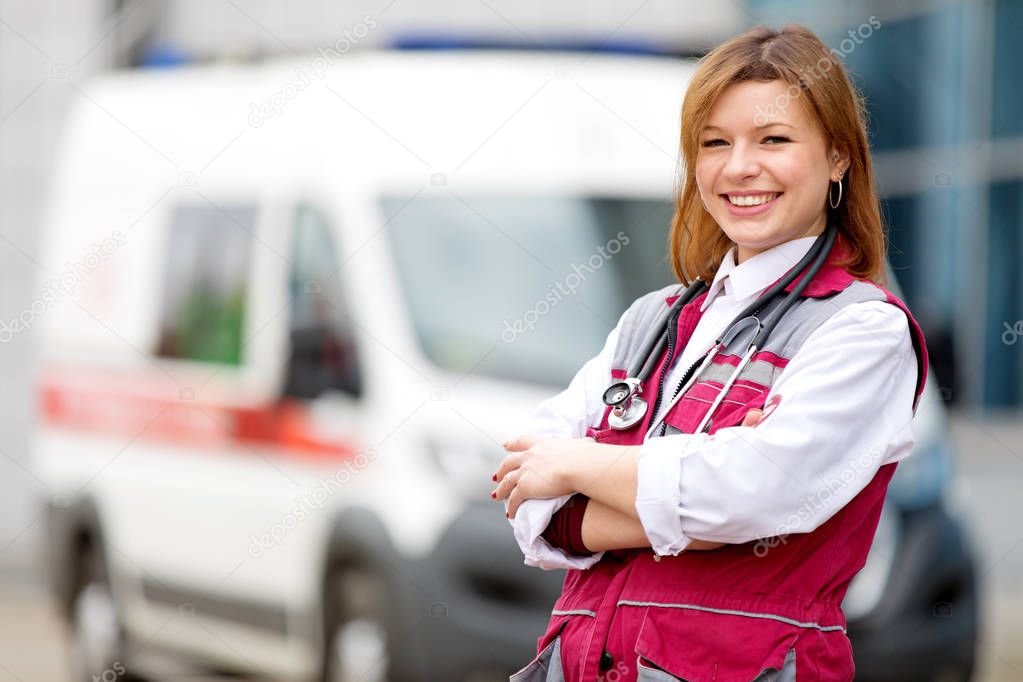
x: 711, y: 503
x: 773, y: 129
x: 764, y: 184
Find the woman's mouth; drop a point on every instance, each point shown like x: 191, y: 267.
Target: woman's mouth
x: 750, y: 204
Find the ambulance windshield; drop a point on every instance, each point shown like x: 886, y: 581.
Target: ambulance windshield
x: 523, y: 287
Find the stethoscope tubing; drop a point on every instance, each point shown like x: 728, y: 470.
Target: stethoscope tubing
x: 768, y: 326
x: 654, y: 344
x: 658, y: 338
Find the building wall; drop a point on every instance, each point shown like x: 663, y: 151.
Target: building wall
x: 942, y: 81
x: 45, y: 47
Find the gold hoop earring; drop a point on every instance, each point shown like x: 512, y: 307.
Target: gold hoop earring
x: 835, y: 204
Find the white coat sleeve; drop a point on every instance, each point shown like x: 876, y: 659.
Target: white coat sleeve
x: 566, y: 415
x: 845, y: 410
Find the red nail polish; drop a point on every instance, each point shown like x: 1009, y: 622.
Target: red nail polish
x: 493, y: 495
x: 494, y: 477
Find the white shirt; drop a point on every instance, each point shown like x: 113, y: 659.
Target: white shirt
x: 845, y: 410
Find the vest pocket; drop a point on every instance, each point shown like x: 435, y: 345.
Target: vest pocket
x: 701, y: 646
x: 742, y: 397
x: 787, y: 673
x: 546, y: 667
x: 647, y: 672
x: 609, y: 436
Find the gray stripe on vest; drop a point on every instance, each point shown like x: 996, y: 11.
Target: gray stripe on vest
x: 573, y: 612
x: 637, y: 322
x: 758, y: 371
x: 733, y: 612
x: 813, y: 312
x: 802, y: 320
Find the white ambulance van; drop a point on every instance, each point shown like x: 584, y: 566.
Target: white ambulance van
x: 295, y: 308
x: 300, y: 307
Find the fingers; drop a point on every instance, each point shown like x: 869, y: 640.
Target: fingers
x: 753, y: 417
x: 514, y: 500
x: 509, y: 488
x: 506, y: 485
x: 510, y: 471
x: 523, y: 442
x: 507, y: 465
x: 515, y: 445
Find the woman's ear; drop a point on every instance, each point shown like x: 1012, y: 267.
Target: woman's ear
x: 839, y: 159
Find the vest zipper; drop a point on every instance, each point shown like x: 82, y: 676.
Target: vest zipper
x: 688, y: 374
x: 682, y: 382
x: 672, y: 338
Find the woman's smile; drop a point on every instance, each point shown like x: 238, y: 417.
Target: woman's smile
x: 750, y: 203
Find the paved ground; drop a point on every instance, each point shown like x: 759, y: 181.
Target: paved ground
x: 33, y: 646
x: 990, y: 478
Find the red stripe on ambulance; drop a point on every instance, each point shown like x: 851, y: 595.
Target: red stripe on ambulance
x: 283, y: 427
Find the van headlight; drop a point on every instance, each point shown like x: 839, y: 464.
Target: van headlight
x: 465, y: 466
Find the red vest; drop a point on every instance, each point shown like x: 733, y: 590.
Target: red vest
x: 730, y: 613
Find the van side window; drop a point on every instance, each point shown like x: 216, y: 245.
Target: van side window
x: 322, y: 345
x: 205, y: 283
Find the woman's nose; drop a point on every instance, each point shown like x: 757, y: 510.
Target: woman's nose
x: 742, y: 163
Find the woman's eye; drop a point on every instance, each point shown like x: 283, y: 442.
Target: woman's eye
x: 713, y: 143
x: 775, y: 139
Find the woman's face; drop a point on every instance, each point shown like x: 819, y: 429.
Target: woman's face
x: 763, y: 167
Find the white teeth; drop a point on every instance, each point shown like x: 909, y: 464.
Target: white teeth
x: 752, y: 199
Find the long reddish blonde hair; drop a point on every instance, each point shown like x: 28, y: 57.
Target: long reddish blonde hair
x: 798, y: 57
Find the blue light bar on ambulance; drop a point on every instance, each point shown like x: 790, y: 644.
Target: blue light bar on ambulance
x: 436, y: 41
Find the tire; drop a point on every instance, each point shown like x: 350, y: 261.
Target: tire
x: 97, y: 638
x: 356, y: 639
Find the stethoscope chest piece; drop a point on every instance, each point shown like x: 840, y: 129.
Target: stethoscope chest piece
x: 628, y: 408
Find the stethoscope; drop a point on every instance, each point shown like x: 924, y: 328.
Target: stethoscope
x: 623, y: 396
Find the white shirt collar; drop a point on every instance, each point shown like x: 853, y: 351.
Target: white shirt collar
x: 756, y: 273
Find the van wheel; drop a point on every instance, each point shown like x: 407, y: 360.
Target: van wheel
x: 355, y: 632
x: 97, y: 640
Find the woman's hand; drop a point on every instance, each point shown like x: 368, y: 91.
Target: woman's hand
x: 538, y: 467
x: 753, y: 417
